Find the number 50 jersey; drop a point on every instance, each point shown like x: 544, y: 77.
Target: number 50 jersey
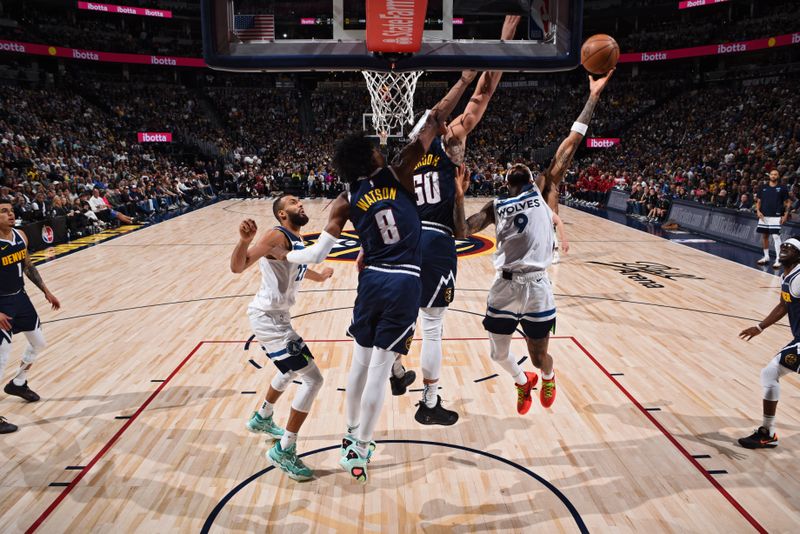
x: 386, y: 219
x: 524, y: 225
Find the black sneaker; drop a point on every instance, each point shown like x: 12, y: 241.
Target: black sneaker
x: 22, y: 391
x: 6, y: 427
x: 400, y: 385
x: 436, y: 415
x: 760, y: 439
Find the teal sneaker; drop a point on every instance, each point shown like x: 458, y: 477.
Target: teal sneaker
x: 265, y: 425
x: 288, y: 462
x: 349, y: 439
x: 355, y: 464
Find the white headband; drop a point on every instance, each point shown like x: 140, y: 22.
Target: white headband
x: 794, y: 242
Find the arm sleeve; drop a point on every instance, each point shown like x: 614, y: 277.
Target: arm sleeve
x: 316, y: 253
x: 794, y: 287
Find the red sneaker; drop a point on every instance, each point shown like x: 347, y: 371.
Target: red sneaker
x: 548, y: 393
x: 524, y: 399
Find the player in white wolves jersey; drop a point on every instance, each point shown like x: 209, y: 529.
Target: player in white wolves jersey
x: 270, y: 319
x: 521, y: 293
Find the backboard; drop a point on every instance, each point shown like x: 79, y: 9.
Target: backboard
x: 329, y: 35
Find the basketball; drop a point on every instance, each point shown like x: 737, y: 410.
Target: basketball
x: 599, y: 54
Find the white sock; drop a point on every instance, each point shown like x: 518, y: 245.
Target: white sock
x: 766, y: 253
x: 769, y: 424
x: 397, y: 369
x: 288, y: 439
x: 352, y: 429
x: 549, y: 376
x: 430, y: 394
x: 520, y: 379
x: 22, y: 374
x: 266, y: 410
x: 363, y: 448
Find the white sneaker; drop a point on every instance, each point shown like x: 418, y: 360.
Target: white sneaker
x: 776, y: 265
x: 556, y: 257
x: 762, y: 261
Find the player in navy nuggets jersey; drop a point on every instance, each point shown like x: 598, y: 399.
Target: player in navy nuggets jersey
x: 435, y: 188
x: 16, y: 311
x: 788, y: 359
x: 381, y: 205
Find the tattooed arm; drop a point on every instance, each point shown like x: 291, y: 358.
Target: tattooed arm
x: 33, y: 275
x: 480, y: 220
x: 457, y: 131
x: 551, y: 178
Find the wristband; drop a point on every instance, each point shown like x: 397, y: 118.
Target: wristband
x: 579, y: 127
x: 759, y: 327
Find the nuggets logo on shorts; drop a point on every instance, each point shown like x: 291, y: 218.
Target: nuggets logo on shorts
x: 349, y: 244
x: 448, y: 295
x: 786, y: 296
x: 791, y: 359
x: 408, y: 341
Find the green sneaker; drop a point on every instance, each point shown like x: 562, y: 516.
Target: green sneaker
x: 288, y: 462
x: 355, y: 464
x: 349, y: 439
x: 265, y: 425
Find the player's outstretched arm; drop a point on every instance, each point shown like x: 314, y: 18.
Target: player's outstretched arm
x: 562, y: 235
x: 480, y: 220
x: 403, y: 165
x: 244, y: 254
x: 316, y: 253
x: 33, y: 275
x: 446, y: 105
x: 460, y: 127
x: 551, y: 178
x: 319, y: 276
x: 774, y: 316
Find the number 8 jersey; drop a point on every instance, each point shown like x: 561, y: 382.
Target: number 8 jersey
x: 524, y: 226
x: 385, y: 216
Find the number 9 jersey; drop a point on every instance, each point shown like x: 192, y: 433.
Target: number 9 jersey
x: 524, y: 226
x: 385, y: 217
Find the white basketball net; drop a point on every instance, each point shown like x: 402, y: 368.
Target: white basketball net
x: 392, y: 98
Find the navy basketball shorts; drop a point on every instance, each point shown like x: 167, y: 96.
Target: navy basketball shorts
x: 789, y: 356
x: 439, y: 266
x: 283, y: 346
x: 385, y: 312
x: 526, y: 300
x: 20, y: 308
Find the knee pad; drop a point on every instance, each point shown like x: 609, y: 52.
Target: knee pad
x: 432, y: 321
x: 281, y: 381
x: 769, y: 381
x: 500, y: 345
x: 311, y: 382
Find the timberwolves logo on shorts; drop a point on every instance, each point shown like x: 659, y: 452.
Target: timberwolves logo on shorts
x: 348, y: 245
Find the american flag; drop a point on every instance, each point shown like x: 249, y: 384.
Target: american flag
x: 254, y: 27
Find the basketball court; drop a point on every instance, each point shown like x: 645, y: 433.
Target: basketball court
x: 149, y: 379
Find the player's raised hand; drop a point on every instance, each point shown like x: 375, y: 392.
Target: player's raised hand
x: 247, y: 230
x: 596, y: 86
x: 749, y: 333
x: 509, y: 27
x: 462, y: 180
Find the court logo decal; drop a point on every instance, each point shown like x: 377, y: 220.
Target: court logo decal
x: 639, y: 271
x: 348, y: 245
